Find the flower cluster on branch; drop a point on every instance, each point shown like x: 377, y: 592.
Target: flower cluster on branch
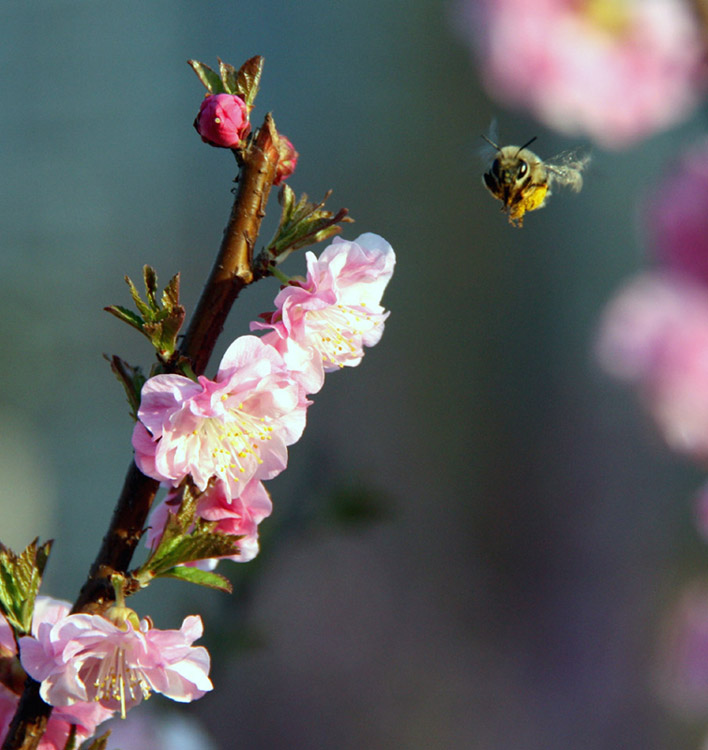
x: 211, y: 443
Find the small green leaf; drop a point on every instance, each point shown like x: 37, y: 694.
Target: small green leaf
x: 186, y: 538
x: 127, y: 316
x: 170, y: 295
x: 20, y: 578
x: 199, y: 544
x: 150, y: 280
x: 201, y: 577
x: 143, y: 309
x: 248, y: 79
x: 132, y: 380
x: 228, y: 77
x: 208, y: 77
x: 160, y: 321
x: 302, y: 223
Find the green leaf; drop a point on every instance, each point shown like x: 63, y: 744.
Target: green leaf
x: 302, y: 223
x: 248, y: 79
x: 186, y: 538
x: 170, y: 295
x: 199, y: 544
x: 160, y: 321
x: 143, y: 309
x: 132, y: 380
x: 200, y: 577
x: 208, y: 77
x: 127, y: 316
x: 20, y: 578
x: 150, y: 280
x: 228, y: 77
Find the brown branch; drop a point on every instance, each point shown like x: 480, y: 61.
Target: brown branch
x: 231, y: 272
x: 232, y: 269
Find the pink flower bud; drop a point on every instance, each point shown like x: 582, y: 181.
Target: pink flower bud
x: 287, y: 159
x: 223, y: 120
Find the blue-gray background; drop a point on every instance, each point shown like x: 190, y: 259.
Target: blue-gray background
x: 534, y: 527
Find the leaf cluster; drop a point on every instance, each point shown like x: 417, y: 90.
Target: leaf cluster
x: 188, y: 538
x: 243, y: 82
x: 160, y: 321
x: 303, y: 223
x: 20, y: 578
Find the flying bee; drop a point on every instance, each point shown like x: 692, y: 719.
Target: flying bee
x: 522, y: 181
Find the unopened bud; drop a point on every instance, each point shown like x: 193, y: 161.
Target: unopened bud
x: 223, y: 120
x: 287, y: 159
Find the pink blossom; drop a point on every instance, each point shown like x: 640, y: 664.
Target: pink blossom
x: 235, y: 428
x: 85, y: 715
x: 84, y: 658
x: 152, y: 730
x: 58, y: 727
x: 616, y: 71
x: 684, y: 655
x: 676, y: 215
x: 323, y: 323
x: 223, y: 120
x: 654, y: 334
x: 238, y: 516
x: 287, y: 159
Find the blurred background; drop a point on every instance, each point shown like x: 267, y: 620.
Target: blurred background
x: 479, y: 536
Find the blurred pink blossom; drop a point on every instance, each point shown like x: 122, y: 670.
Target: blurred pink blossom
x: 613, y: 70
x: 235, y: 428
x: 223, y: 120
x: 654, y: 334
x: 676, y: 215
x: 683, y: 676
x: 149, y: 730
x: 84, y: 658
x: 323, y: 323
x: 238, y: 516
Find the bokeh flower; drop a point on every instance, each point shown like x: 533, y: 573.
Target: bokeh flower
x: 223, y: 120
x: 676, y: 215
x: 614, y: 70
x: 654, y: 333
x: 149, y: 730
x: 683, y: 672
x: 235, y: 428
x: 323, y: 323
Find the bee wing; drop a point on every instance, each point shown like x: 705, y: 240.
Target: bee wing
x: 488, y: 151
x: 566, y: 168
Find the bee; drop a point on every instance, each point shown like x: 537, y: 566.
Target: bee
x: 522, y: 181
